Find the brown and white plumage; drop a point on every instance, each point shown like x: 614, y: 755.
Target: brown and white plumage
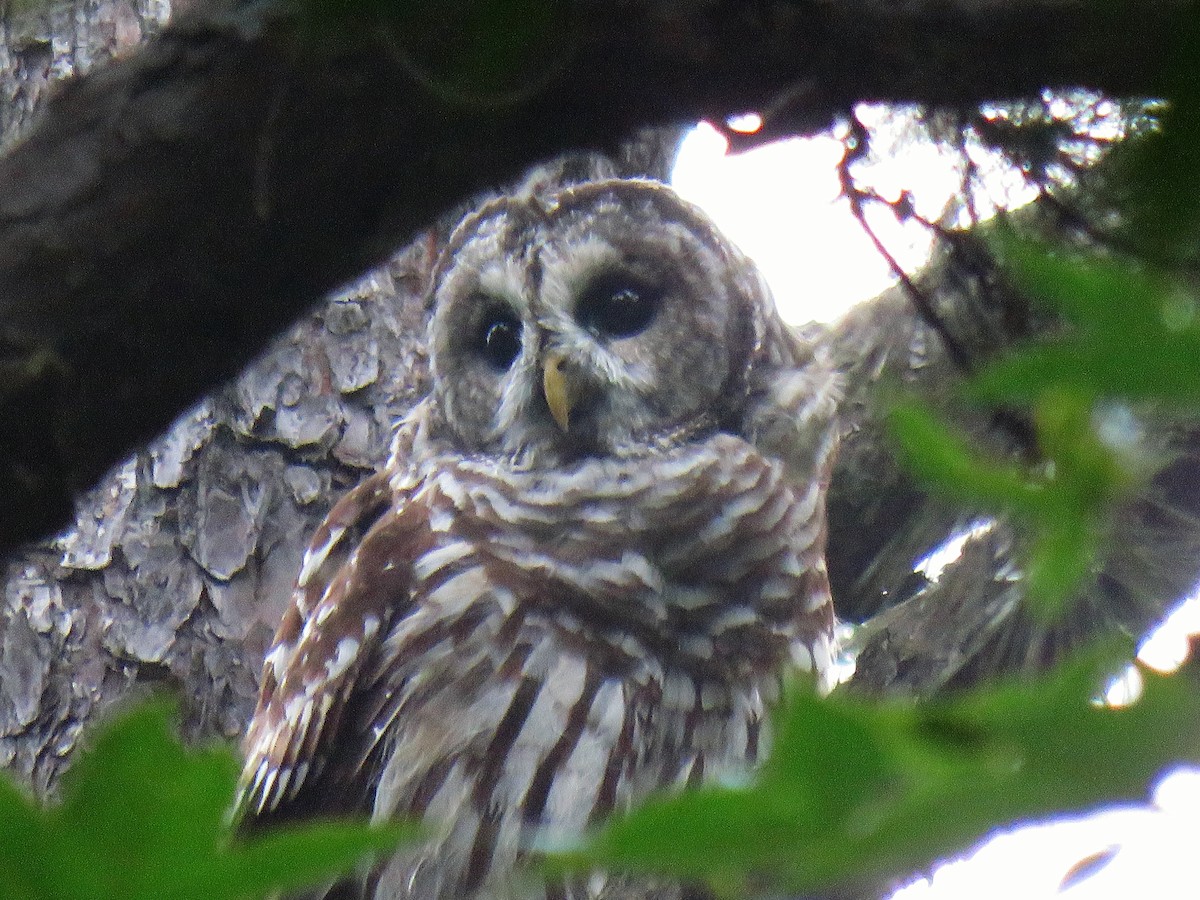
x: 595, y: 547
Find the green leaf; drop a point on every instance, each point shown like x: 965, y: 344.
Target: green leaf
x: 1135, y: 334
x: 844, y: 769
x: 21, y: 841
x: 1161, y: 216
x: 940, y: 457
x: 294, y: 858
x: 143, y: 818
x: 861, y: 789
x: 1062, y: 506
x: 1132, y: 337
x: 1092, y: 292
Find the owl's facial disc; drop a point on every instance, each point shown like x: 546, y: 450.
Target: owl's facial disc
x: 597, y: 391
x: 610, y: 320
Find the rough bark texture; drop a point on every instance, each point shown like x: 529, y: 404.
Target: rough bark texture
x: 173, y: 210
x: 179, y: 564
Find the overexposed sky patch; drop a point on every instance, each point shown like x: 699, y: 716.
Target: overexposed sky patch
x: 782, y: 204
x: 1143, y: 852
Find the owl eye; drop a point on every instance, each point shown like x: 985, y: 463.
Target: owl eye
x: 499, y: 339
x: 618, y: 306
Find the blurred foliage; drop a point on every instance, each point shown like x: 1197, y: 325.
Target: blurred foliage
x: 1134, y: 333
x: 142, y: 818
x: 1128, y: 341
x: 1062, y: 503
x: 859, y: 788
x: 1151, y: 180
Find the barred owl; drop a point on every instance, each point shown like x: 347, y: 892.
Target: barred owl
x: 596, y: 545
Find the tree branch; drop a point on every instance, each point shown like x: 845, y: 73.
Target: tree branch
x: 173, y: 210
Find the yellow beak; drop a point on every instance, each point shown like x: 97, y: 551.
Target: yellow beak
x: 557, y: 388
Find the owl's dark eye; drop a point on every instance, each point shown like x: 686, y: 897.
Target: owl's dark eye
x: 618, y: 306
x: 499, y: 339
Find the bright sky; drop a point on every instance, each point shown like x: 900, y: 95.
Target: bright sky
x: 780, y: 204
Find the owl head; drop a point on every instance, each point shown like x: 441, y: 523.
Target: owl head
x: 603, y: 320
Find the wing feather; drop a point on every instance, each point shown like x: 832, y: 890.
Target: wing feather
x: 356, y: 576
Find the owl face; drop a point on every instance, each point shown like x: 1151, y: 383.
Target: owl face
x: 608, y: 319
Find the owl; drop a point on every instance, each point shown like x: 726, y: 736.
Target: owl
x: 595, y: 548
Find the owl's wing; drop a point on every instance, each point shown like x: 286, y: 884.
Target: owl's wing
x: 356, y: 576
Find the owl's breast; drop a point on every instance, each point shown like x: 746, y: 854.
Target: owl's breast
x: 705, y: 552
x: 581, y: 637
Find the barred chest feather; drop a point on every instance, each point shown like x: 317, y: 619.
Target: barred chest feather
x: 511, y: 655
x: 581, y: 637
